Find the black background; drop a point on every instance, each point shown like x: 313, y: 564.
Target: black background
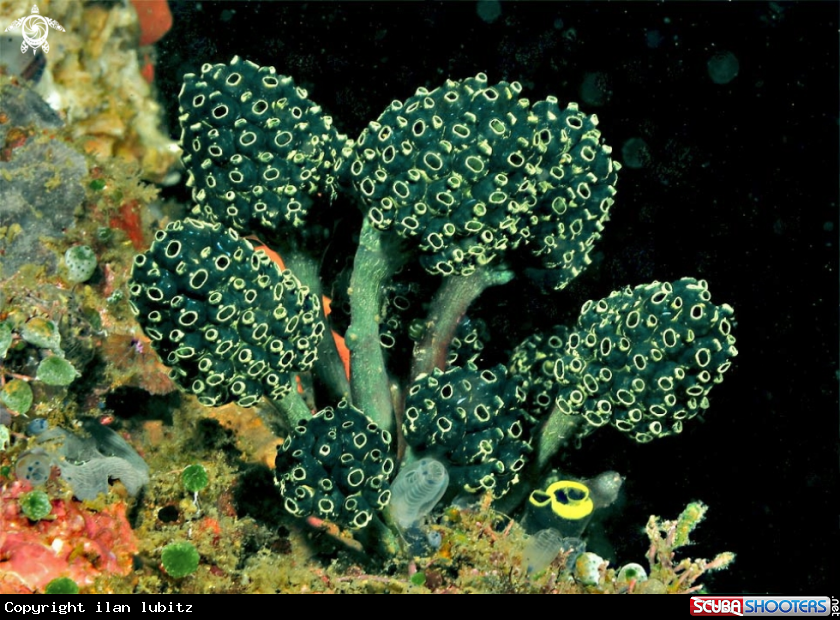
x: 741, y: 189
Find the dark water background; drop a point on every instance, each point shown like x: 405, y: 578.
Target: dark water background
x: 740, y: 188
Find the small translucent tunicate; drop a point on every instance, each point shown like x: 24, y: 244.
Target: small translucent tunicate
x: 546, y: 545
x: 81, y: 263
x: 541, y: 549
x: 34, y: 466
x: 723, y: 67
x: 416, y: 490
x: 604, y: 488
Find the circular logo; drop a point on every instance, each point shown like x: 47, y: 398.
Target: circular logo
x: 34, y: 30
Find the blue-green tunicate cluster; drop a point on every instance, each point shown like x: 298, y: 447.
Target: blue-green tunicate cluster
x: 229, y: 322
x: 401, y: 315
x: 468, y: 343
x: 80, y: 261
x: 642, y: 360
x: 541, y: 549
x: 473, y: 420
x: 257, y: 148
x: 336, y: 466
x: 469, y: 171
x: 401, y: 306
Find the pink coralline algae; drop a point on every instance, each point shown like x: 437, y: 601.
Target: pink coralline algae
x: 78, y: 543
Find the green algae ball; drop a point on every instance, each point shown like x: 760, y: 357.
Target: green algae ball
x: 42, y: 333
x: 179, y: 559
x: 55, y: 370
x: 81, y: 263
x: 35, y: 505
x: 17, y: 396
x: 62, y: 585
x: 194, y: 478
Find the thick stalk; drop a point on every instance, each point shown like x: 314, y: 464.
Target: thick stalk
x: 448, y: 307
x: 329, y: 367
x: 373, y: 266
x: 293, y: 408
x: 386, y: 541
x: 557, y: 431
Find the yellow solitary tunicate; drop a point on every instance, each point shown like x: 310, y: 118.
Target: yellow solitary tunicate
x: 570, y: 500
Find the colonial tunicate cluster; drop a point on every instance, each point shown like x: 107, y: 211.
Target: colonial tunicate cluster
x: 229, y: 322
x: 642, y: 360
x: 545, y: 545
x: 336, y: 466
x: 469, y: 171
x: 473, y: 420
x: 257, y: 148
x: 468, y: 180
